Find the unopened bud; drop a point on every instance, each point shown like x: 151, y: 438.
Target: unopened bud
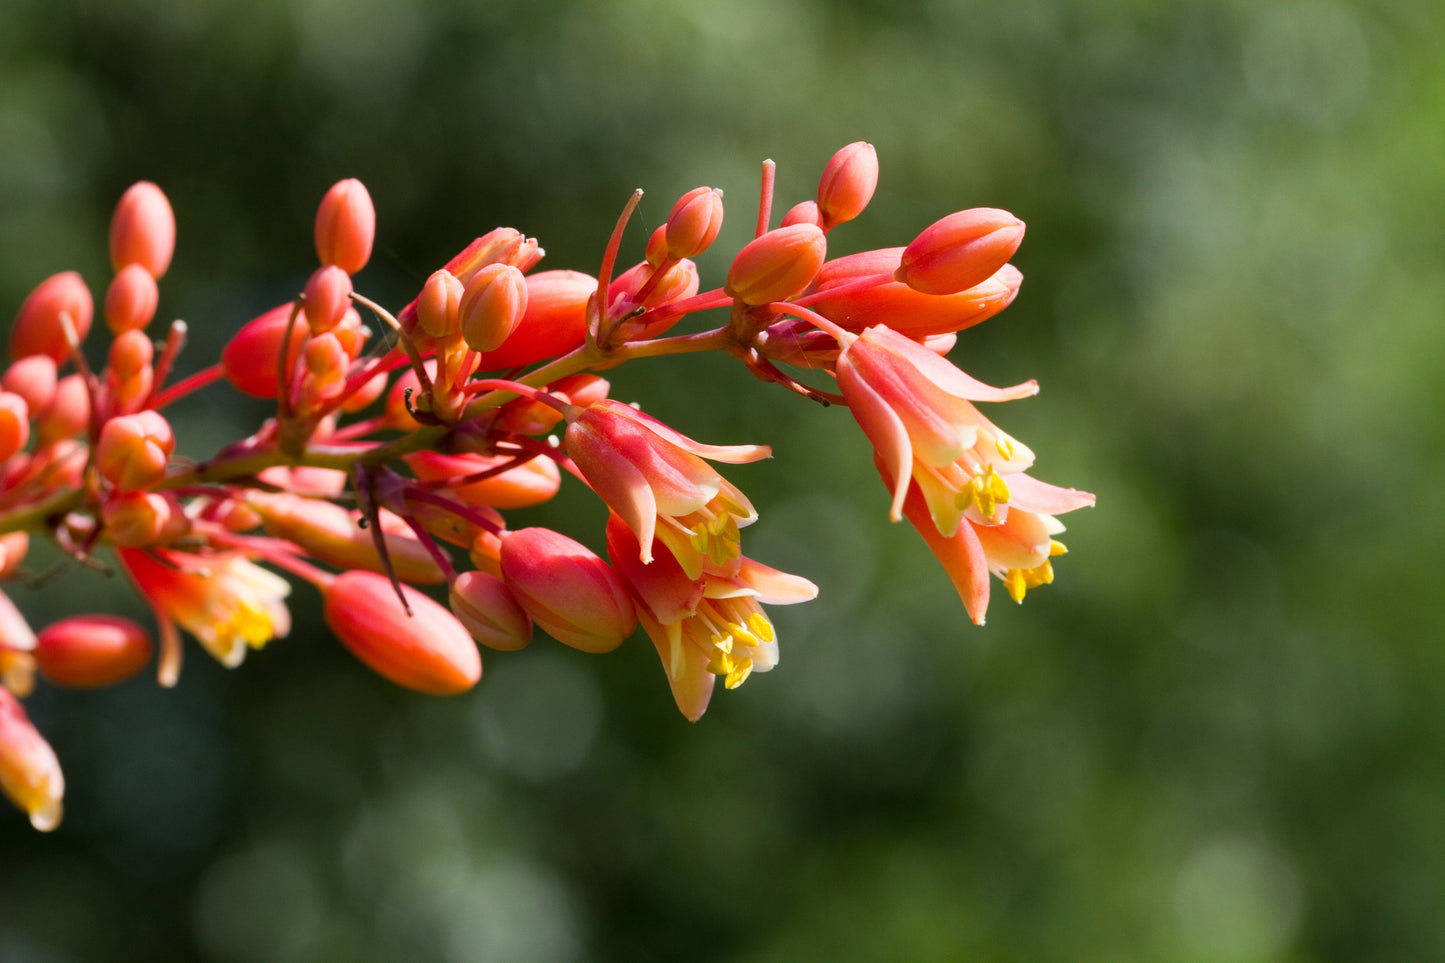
x: 33, y: 379
x: 29, y: 772
x: 131, y: 299
x: 326, y: 359
x: 961, y: 250
x: 141, y: 519
x: 777, y: 265
x: 656, y: 246
x: 803, y: 212
x: 530, y: 483
x: 914, y: 314
x: 493, y: 306
x: 438, y: 307
x: 38, y: 329
x: 429, y: 651
x: 694, y: 222
x: 68, y: 412
x: 249, y: 359
x: 332, y: 534
x: 570, y: 593
x: 14, y: 424
x: 143, y: 230
x: 328, y: 296
x: 130, y: 353
x: 345, y: 226
x: 848, y: 183
x: 91, y: 651
x: 486, y: 607
x: 133, y: 450
x: 554, y: 323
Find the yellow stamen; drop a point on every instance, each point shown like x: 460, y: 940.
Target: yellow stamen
x: 761, y: 627
x: 1057, y: 548
x: 739, y: 673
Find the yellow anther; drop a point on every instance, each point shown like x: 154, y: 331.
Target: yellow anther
x: 743, y: 635
x: 996, y: 487
x: 761, y: 627
x: 1005, y: 447
x: 739, y: 673
x: 1057, y: 547
x: 723, y: 643
x: 1017, y: 584
x: 251, y: 624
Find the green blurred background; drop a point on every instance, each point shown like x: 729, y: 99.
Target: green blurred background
x: 1218, y: 737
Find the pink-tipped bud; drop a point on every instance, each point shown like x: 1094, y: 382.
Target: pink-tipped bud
x: 554, y: 323
x: 14, y: 424
x: 29, y: 772
x: 133, y: 450
x: 13, y: 546
x: 777, y: 265
x: 529, y: 483
x: 131, y: 299
x: 91, y: 651
x: 345, y: 226
x: 438, y: 307
x: 38, y: 328
x: 803, y: 212
x: 694, y: 222
x: 130, y: 354
x: 68, y: 412
x: 33, y: 379
x: 249, y: 358
x: 961, y: 250
x: 328, y: 296
x: 486, y: 607
x: 493, y: 306
x: 429, y: 651
x: 142, y: 519
x: 143, y: 230
x: 848, y: 183
x: 570, y: 593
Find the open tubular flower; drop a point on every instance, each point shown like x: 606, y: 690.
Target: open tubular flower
x: 226, y: 601
x: 916, y: 409
x: 655, y: 479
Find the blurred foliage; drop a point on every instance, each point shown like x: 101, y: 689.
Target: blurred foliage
x: 1217, y: 738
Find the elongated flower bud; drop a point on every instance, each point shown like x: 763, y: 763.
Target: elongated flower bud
x: 493, y: 306
x: 14, y: 424
x: 133, y: 450
x: 345, y: 226
x: 914, y: 314
x: 960, y: 250
x: 529, y: 483
x: 486, y: 607
x: 694, y: 222
x: 38, y: 329
x: 143, y: 230
x: 131, y: 299
x: 429, y: 651
x: 29, y: 772
x: 91, y: 651
x: 328, y: 295
x: 249, y: 359
x: 848, y: 183
x: 570, y: 593
x: 777, y: 265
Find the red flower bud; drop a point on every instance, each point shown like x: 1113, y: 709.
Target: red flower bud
x: 249, y: 358
x: 493, y: 306
x: 486, y: 607
x: 570, y: 593
x: 345, y: 226
x: 143, y: 230
x: 429, y: 651
x: 914, y: 314
x: 130, y: 354
x: 133, y: 450
x: 332, y: 534
x: 438, y: 307
x: 803, y: 212
x: 91, y: 651
x: 777, y: 265
x: 131, y: 299
x: 142, y: 519
x: 68, y: 412
x: 694, y: 222
x: 37, y: 327
x: 14, y: 424
x: 328, y: 296
x: 848, y: 183
x: 530, y: 483
x: 961, y: 250
x: 33, y: 379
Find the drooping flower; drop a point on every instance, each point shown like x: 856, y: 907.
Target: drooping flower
x: 656, y: 480
x: 706, y: 627
x: 226, y: 601
x: 916, y: 408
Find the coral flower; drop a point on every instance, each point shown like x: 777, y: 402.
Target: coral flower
x: 226, y: 601
x: 656, y: 480
x: 29, y: 772
x: 707, y: 627
x: 916, y: 409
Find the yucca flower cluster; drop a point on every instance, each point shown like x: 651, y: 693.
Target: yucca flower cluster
x: 400, y: 439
